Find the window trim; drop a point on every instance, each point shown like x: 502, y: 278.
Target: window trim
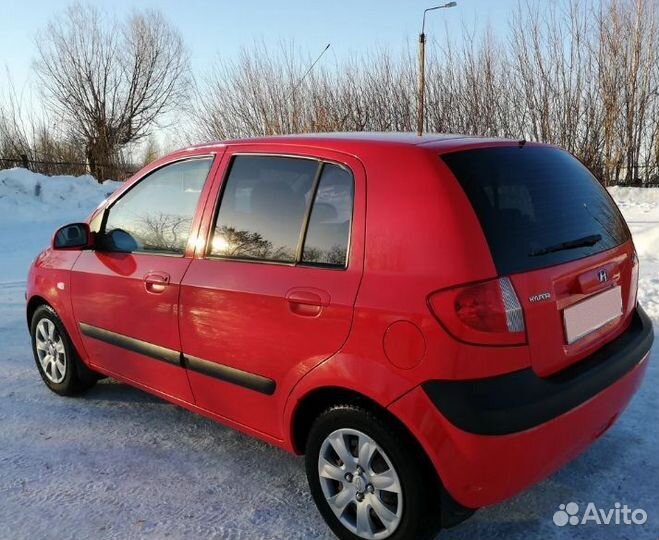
x: 106, y: 211
x: 302, y: 238
x: 302, y: 235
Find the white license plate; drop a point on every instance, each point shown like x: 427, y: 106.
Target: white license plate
x: 591, y: 314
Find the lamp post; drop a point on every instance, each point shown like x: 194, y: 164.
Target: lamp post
x: 422, y: 67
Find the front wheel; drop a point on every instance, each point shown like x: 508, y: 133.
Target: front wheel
x: 367, y: 477
x: 56, y: 359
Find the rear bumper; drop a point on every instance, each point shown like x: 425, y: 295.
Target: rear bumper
x: 491, y: 438
x: 521, y: 400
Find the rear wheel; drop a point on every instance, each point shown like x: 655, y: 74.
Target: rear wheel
x: 57, y: 361
x: 367, y: 478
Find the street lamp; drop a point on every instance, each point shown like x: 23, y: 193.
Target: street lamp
x: 422, y: 67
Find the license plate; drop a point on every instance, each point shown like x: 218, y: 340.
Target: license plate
x: 591, y: 314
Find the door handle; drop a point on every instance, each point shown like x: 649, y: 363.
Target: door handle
x: 307, y: 302
x: 156, y: 282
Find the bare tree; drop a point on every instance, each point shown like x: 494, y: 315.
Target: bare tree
x: 582, y: 74
x: 152, y: 151
x: 163, y: 231
x: 109, y: 81
x: 24, y: 133
x: 14, y: 126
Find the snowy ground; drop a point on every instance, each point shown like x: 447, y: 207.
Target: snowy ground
x: 119, y: 463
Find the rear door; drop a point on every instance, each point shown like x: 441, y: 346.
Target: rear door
x: 125, y: 293
x: 557, y: 233
x: 272, y: 293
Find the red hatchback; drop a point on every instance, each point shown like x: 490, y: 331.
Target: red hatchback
x: 436, y: 322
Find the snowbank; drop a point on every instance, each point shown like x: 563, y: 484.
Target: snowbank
x: 30, y: 197
x: 33, y: 205
x: 646, y: 198
x: 640, y: 206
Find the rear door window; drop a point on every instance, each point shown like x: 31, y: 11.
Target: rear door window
x: 263, y: 208
x: 285, y: 209
x: 538, y: 206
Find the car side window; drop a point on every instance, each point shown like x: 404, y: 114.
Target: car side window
x: 156, y: 214
x: 328, y: 233
x: 263, y: 208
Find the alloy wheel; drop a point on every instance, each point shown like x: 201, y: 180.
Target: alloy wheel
x: 50, y: 351
x: 360, y: 484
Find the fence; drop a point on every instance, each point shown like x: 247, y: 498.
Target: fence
x: 637, y: 176
x: 74, y: 168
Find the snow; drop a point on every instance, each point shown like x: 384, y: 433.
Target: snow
x: 640, y: 206
x: 119, y: 463
x: 28, y: 221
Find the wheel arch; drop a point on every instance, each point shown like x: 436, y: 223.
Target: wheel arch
x: 314, y: 402
x: 319, y: 399
x: 33, y: 303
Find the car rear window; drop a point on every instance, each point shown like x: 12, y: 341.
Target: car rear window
x: 538, y: 206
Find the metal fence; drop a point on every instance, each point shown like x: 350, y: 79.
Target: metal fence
x: 74, y: 168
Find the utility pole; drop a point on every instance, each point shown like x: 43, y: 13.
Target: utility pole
x: 421, y: 95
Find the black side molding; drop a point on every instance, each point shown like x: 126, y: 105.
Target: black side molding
x: 228, y: 374
x: 231, y: 375
x: 131, y: 344
x: 521, y: 400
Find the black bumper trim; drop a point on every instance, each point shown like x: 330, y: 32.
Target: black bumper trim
x: 521, y: 400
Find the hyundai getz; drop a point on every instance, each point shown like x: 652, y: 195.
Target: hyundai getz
x: 435, y: 322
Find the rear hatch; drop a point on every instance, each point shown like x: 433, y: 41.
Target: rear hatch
x: 557, y: 234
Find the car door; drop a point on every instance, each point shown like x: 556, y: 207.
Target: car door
x: 271, y: 294
x: 125, y: 292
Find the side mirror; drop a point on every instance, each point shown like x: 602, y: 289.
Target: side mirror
x: 73, y: 236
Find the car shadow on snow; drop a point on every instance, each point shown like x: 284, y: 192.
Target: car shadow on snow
x: 112, y: 390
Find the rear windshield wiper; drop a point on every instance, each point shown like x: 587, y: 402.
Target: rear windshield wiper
x: 584, y: 241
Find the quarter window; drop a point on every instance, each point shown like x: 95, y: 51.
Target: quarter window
x: 327, y: 237
x: 156, y: 214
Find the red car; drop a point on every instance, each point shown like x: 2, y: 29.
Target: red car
x: 436, y: 322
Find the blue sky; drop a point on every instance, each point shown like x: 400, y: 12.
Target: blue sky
x: 221, y: 28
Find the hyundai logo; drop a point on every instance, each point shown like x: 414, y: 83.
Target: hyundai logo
x: 602, y: 276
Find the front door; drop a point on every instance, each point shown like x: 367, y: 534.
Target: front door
x: 125, y: 293
x: 273, y: 293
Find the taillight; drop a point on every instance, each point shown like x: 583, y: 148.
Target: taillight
x: 488, y: 312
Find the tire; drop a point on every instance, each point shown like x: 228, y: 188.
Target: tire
x: 411, y: 500
x: 58, y: 362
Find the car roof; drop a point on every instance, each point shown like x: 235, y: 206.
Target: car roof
x: 347, y: 140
